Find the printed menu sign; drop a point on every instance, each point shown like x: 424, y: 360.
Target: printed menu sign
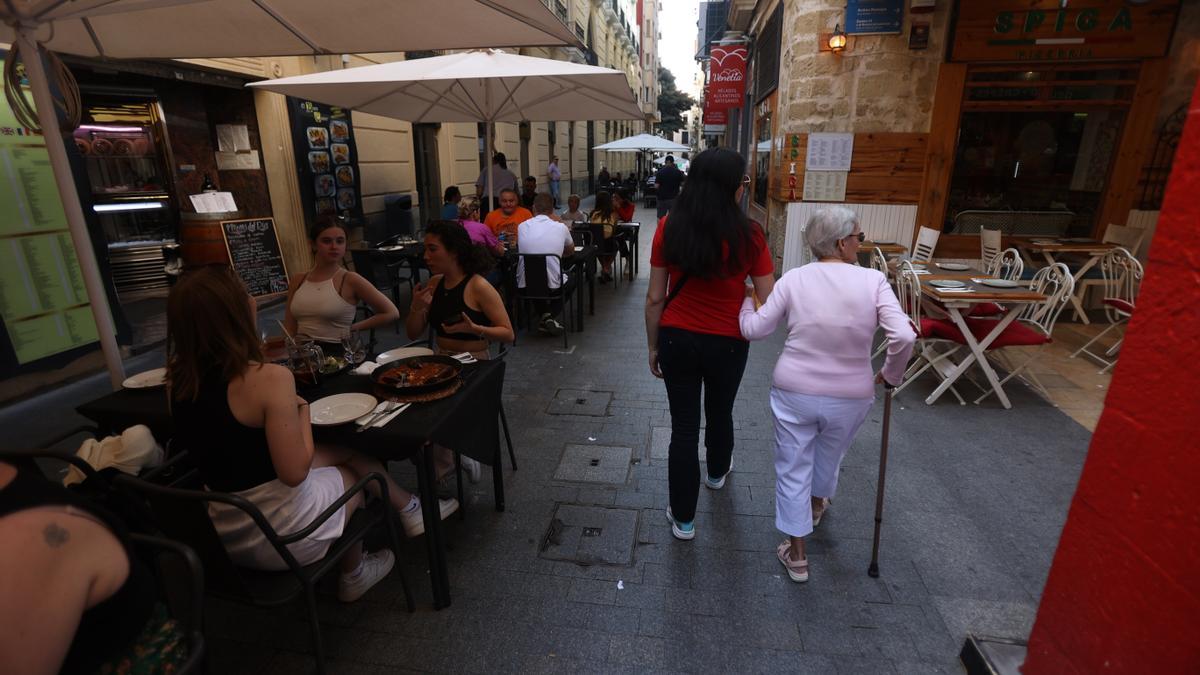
x: 829, y: 152
x: 43, y: 301
x: 254, y: 253
x: 327, y: 160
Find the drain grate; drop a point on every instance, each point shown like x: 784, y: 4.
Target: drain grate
x: 591, y: 535
x: 580, y: 402
x: 608, y: 465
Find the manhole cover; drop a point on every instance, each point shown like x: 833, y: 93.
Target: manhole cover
x: 594, y: 464
x: 660, y: 443
x: 591, y: 535
x: 580, y: 402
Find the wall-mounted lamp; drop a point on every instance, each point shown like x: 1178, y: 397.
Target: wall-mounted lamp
x: 832, y: 42
x: 837, y: 41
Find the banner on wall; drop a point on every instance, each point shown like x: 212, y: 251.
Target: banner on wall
x: 726, y: 84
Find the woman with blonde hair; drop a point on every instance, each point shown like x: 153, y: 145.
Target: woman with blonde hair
x: 249, y: 434
x: 823, y: 385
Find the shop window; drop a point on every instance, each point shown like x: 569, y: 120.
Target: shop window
x: 1154, y: 176
x: 762, y: 159
x: 1031, y: 172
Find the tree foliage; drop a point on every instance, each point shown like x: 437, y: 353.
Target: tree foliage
x: 672, y: 103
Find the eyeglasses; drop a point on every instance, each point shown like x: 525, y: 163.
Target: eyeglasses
x: 861, y: 237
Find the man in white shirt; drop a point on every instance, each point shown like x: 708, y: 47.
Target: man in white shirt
x: 545, y: 235
x: 502, y: 179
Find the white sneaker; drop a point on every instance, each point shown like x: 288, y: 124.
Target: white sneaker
x: 473, y: 469
x: 718, y: 483
x: 414, y: 522
x: 375, y: 566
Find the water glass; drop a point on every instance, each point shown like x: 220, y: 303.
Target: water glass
x: 353, y: 347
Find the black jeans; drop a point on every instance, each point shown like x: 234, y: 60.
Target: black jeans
x: 691, y: 362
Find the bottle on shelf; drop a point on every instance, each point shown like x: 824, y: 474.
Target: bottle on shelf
x: 207, y: 185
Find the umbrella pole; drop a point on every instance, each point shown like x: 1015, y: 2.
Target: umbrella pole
x: 487, y: 144
x: 35, y: 70
x: 873, y: 568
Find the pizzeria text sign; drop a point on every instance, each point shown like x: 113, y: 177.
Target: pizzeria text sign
x: 726, y: 83
x: 1045, y: 30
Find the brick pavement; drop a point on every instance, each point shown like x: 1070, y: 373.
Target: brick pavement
x: 976, y: 498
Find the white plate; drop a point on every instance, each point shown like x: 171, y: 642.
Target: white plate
x: 946, y: 283
x: 402, y: 353
x: 999, y: 283
x: 956, y: 267
x: 150, y: 378
x: 340, y: 408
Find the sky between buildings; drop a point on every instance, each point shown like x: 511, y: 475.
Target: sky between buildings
x: 678, y: 46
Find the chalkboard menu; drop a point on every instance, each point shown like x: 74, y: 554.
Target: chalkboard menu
x: 254, y: 253
x: 326, y: 159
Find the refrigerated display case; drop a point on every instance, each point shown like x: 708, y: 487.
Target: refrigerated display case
x: 122, y: 143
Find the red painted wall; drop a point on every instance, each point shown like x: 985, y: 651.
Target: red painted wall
x: 1123, y: 595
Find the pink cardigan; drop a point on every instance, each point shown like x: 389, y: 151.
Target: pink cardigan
x: 832, y: 311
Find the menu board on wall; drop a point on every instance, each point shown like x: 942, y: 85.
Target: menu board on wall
x: 43, y: 301
x: 327, y: 160
x: 829, y: 152
x: 254, y: 253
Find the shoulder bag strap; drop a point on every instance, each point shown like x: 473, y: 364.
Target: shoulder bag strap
x: 675, y: 291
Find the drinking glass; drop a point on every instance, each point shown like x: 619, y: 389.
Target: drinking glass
x: 353, y: 347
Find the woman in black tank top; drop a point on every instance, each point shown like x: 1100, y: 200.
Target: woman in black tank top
x: 465, y: 310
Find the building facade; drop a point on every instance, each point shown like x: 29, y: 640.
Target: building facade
x: 1026, y: 117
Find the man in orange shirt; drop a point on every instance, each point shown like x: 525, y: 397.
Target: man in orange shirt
x: 504, y: 221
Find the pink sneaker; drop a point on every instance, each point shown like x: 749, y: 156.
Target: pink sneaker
x: 797, y: 569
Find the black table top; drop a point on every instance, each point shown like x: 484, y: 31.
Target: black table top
x: 465, y: 421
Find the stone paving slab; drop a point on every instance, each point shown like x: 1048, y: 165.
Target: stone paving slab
x: 976, y: 498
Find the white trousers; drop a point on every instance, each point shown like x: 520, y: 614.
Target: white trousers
x: 812, y: 434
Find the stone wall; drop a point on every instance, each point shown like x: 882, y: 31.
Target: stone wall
x: 876, y: 84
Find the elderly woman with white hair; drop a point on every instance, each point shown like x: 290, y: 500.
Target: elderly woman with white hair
x: 823, y: 386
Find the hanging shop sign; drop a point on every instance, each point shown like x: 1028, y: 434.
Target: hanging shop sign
x: 726, y: 84
x: 874, y: 17
x: 1046, y: 30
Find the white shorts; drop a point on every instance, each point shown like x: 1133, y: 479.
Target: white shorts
x: 287, y: 509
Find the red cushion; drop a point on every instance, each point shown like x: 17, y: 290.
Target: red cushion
x: 986, y: 309
x: 1015, y: 334
x: 941, y: 328
x: 1119, y: 305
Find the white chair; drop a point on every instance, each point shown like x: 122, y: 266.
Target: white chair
x: 879, y: 261
x: 1006, y: 264
x: 1034, y: 326
x: 1129, y: 238
x: 927, y: 239
x: 1122, y: 275
x: 990, y: 242
x: 926, y: 354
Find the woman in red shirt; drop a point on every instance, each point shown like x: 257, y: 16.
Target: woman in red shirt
x: 702, y: 253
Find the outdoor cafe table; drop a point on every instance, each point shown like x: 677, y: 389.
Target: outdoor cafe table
x: 1050, y: 248
x: 956, y: 302
x: 632, y: 229
x: 886, y: 248
x: 457, y: 422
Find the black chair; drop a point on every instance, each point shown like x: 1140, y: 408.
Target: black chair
x: 607, y: 247
x: 581, y: 237
x: 537, y: 287
x: 374, y: 266
x: 182, y: 515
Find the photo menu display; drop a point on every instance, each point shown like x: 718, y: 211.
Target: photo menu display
x: 327, y: 160
x: 43, y: 301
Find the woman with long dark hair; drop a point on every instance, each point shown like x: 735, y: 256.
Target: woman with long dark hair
x: 464, y: 309
x: 702, y: 253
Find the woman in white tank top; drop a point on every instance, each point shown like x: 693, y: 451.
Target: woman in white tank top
x: 322, y: 301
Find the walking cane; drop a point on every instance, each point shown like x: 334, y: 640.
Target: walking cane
x: 873, y: 570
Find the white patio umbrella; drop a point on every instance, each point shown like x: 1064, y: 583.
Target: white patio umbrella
x: 228, y: 28
x: 479, y: 86
x: 642, y: 143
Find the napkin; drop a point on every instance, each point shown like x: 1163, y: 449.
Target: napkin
x: 378, y: 407
x: 366, y: 368
x: 956, y: 290
x: 464, y: 358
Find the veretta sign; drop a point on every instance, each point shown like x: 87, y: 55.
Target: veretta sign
x: 726, y: 83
